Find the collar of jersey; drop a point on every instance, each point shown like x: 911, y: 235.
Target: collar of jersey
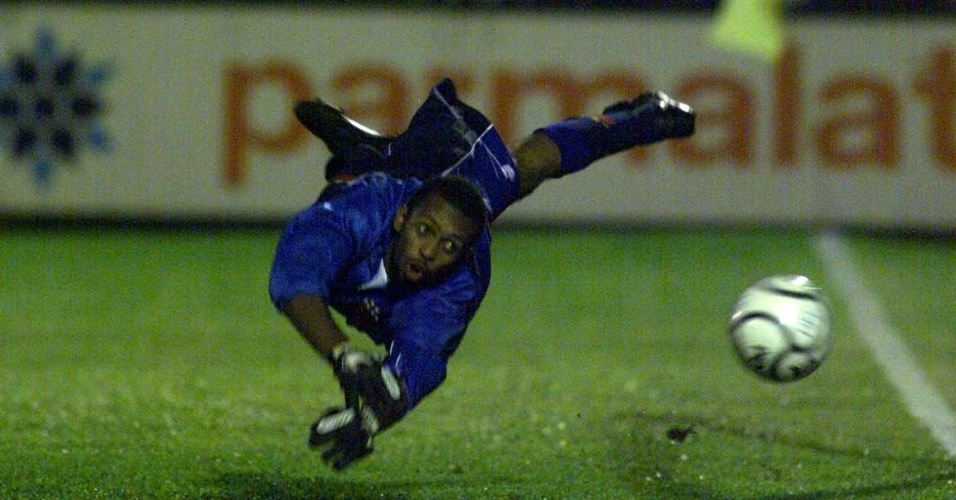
x: 380, y: 280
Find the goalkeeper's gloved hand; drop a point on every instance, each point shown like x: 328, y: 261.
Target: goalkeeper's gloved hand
x: 370, y: 386
x: 347, y: 435
x: 374, y: 401
x: 346, y: 363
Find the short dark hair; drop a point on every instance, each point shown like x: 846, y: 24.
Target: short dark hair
x: 458, y: 192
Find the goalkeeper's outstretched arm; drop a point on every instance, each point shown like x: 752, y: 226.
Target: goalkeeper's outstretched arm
x: 310, y: 315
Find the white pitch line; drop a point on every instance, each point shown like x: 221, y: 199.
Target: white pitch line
x: 922, y: 399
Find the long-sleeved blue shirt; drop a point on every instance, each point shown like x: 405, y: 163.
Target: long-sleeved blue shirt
x: 335, y: 249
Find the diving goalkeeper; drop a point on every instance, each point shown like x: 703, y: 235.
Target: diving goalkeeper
x: 399, y: 241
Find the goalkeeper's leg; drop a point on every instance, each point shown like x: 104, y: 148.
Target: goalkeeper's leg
x: 339, y: 132
x: 573, y: 144
x: 356, y: 149
x: 442, y: 131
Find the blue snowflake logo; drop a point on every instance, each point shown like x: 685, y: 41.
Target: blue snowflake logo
x: 50, y: 107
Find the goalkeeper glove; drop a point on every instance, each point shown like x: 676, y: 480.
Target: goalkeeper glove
x: 347, y: 434
x: 346, y: 362
x: 369, y: 384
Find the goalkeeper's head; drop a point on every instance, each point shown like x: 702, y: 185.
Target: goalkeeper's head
x: 436, y: 229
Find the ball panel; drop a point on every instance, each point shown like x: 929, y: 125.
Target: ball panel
x: 792, y: 285
x: 759, y: 341
x: 807, y: 322
x: 794, y: 365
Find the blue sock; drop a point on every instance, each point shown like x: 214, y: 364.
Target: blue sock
x: 584, y: 140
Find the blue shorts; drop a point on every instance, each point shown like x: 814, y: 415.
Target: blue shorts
x: 447, y: 136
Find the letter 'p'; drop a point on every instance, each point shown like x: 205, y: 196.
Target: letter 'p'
x: 239, y: 134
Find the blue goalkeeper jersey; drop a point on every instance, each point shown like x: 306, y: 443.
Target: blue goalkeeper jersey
x: 335, y: 249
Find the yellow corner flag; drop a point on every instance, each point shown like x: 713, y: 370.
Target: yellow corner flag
x: 754, y: 26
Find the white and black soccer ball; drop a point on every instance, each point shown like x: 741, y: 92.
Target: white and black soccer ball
x: 780, y: 328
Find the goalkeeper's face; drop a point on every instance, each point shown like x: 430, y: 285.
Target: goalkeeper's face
x: 432, y: 240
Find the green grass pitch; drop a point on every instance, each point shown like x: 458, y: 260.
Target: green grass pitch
x: 150, y: 364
